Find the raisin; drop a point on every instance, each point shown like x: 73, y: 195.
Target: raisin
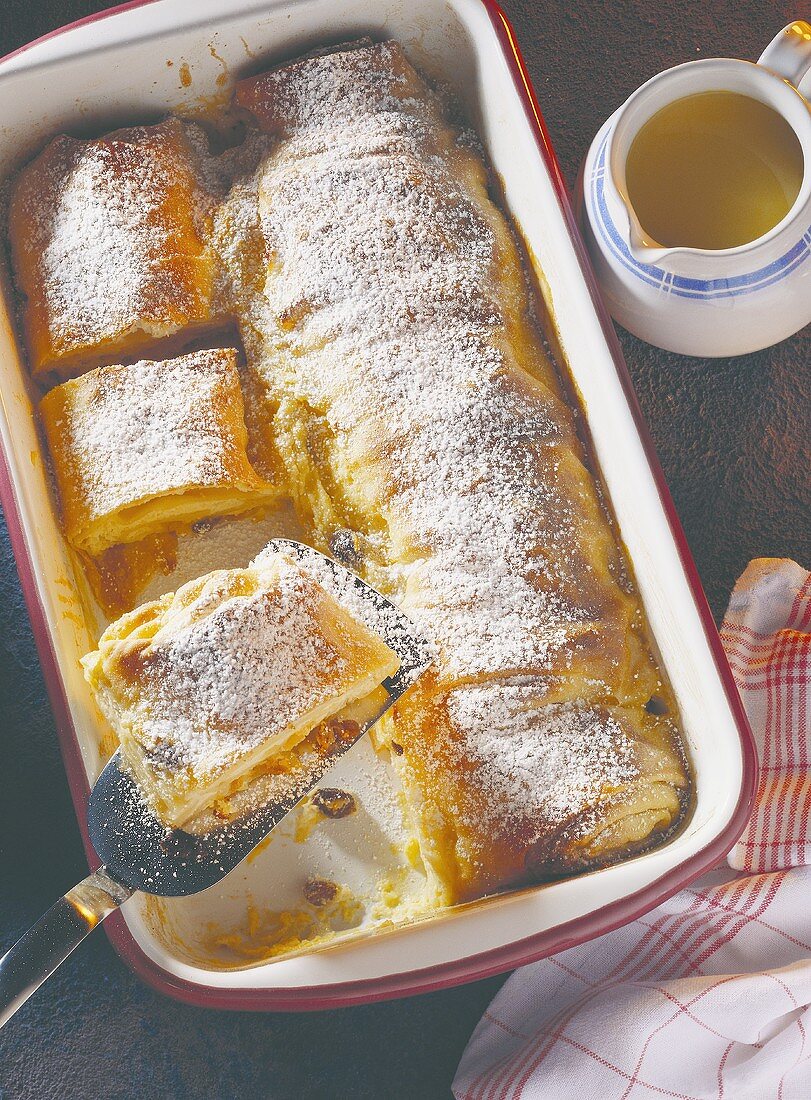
x: 330, y: 735
x: 324, y: 738
x: 320, y: 891
x: 656, y: 705
x: 398, y: 750
x: 345, y: 729
x: 334, y: 803
x: 343, y: 544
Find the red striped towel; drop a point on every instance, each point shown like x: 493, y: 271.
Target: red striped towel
x: 708, y: 995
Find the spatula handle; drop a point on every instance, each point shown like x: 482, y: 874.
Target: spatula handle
x: 35, y: 956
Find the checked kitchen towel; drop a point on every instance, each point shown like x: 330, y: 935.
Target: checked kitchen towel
x: 708, y: 995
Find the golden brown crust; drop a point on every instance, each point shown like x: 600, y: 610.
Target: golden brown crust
x: 108, y: 240
x: 510, y: 784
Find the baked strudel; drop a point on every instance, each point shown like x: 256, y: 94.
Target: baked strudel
x: 146, y: 448
x: 108, y: 239
x: 400, y: 391
x: 213, y: 685
x: 427, y: 436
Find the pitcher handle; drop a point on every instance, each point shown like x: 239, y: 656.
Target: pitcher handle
x: 789, y: 54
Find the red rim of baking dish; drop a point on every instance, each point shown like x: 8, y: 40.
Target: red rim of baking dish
x: 483, y: 964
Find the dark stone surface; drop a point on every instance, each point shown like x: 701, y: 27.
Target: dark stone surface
x: 730, y: 436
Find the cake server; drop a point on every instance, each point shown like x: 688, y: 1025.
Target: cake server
x: 136, y: 850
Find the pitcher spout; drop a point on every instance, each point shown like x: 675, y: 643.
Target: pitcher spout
x: 648, y: 251
x: 642, y: 246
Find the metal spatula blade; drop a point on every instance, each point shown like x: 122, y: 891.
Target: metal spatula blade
x: 138, y: 852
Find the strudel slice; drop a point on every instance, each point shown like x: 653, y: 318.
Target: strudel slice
x: 150, y: 447
x: 211, y: 686
x: 109, y: 244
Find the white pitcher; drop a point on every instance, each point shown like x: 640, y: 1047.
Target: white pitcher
x: 698, y: 301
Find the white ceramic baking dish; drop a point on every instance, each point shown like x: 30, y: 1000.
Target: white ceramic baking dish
x: 115, y: 69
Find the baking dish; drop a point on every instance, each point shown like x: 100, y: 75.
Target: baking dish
x: 134, y: 65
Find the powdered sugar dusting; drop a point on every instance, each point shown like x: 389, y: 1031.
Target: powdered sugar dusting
x: 367, y: 606
x: 383, y: 310
x: 236, y: 668
x: 95, y: 265
x: 358, y: 80
x: 554, y: 762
